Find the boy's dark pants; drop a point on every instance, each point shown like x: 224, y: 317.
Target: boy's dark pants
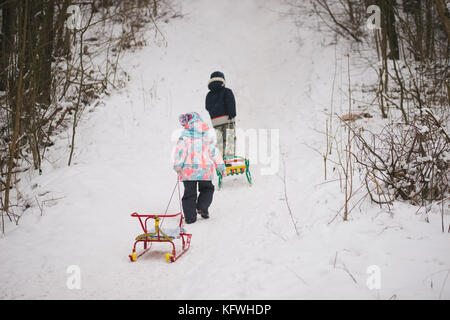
x: 191, y: 201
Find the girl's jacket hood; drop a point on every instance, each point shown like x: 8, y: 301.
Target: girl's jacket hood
x: 196, y: 127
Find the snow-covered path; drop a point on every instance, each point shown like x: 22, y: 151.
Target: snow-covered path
x: 249, y: 248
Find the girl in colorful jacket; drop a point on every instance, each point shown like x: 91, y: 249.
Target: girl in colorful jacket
x: 196, y: 160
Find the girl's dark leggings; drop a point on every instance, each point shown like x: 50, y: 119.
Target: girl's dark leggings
x: 191, y: 201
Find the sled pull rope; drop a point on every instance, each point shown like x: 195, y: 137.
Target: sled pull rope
x: 179, y: 194
x: 177, y: 186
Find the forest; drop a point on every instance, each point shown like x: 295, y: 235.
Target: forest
x: 51, y: 67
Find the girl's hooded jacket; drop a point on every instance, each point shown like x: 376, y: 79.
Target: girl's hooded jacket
x: 196, y: 155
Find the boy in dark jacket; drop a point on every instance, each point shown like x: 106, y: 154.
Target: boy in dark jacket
x: 221, y: 106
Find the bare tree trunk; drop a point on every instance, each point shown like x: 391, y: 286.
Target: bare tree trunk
x: 429, y: 31
x: 12, y: 150
x: 348, y: 152
x: 419, y: 52
x: 155, y: 8
x: 77, y: 107
x: 47, y: 36
x: 388, y: 9
x: 7, y: 40
x: 444, y: 16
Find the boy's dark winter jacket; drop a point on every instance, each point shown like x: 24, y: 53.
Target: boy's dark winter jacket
x: 220, y: 101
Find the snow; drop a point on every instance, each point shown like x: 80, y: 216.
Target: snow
x: 282, y: 76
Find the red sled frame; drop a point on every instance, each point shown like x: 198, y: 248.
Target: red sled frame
x: 158, y: 235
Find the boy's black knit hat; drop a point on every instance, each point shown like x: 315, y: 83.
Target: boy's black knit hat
x: 217, y: 74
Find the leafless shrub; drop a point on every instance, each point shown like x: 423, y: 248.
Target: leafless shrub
x: 407, y: 161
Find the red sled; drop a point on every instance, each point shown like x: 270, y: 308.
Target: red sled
x: 157, y: 234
